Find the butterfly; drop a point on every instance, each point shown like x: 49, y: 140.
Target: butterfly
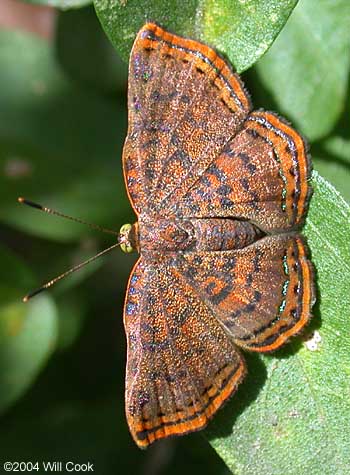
x: 220, y: 193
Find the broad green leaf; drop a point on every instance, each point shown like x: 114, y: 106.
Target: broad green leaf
x: 336, y: 173
x: 292, y: 415
x: 331, y: 157
x: 307, y: 68
x: 243, y: 31
x: 62, y: 4
x: 27, y: 331
x: 89, y: 56
x: 60, y: 145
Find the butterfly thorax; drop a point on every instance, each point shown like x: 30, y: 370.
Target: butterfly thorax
x: 193, y: 234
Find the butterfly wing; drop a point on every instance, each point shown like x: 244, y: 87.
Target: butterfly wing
x: 261, y: 295
x: 181, y: 366
x: 185, y: 104
x: 263, y: 174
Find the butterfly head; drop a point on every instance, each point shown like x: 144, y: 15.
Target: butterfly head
x: 128, y: 237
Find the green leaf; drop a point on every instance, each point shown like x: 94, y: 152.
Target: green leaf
x: 62, y: 4
x: 331, y: 157
x: 88, y: 57
x: 337, y: 174
x: 27, y: 331
x: 292, y: 413
x: 241, y: 30
x: 60, y: 145
x: 307, y: 68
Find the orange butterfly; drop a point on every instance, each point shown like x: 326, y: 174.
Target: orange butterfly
x: 220, y: 193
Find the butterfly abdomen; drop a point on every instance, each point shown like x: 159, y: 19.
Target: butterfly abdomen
x: 224, y: 234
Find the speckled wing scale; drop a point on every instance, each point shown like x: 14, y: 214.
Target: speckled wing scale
x: 262, y: 174
x: 181, y: 365
x: 220, y: 193
x: 176, y: 87
x: 261, y: 294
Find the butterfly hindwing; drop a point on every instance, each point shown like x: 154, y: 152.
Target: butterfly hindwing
x: 181, y: 365
x: 185, y: 103
x: 261, y: 294
x: 263, y: 174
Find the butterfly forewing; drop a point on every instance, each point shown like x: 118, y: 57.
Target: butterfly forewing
x: 184, y: 105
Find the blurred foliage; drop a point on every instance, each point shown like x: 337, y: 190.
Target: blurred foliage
x: 62, y: 4
x: 62, y: 127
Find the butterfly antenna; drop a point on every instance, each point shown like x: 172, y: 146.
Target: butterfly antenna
x: 77, y: 267
x: 61, y: 215
x: 70, y: 271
